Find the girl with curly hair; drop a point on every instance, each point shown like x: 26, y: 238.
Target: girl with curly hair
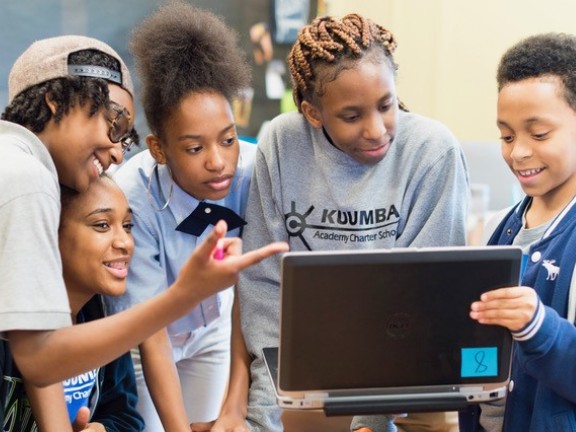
x: 194, y: 172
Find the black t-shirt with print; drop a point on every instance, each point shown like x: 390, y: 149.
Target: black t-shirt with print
x: 15, y: 411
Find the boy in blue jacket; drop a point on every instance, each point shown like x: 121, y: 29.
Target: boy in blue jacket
x: 537, y: 122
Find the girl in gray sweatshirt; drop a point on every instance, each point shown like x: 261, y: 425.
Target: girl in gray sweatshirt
x: 351, y: 170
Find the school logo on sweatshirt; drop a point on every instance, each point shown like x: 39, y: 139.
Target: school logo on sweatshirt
x: 350, y: 226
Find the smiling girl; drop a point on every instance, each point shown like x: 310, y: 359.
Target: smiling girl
x: 96, y: 246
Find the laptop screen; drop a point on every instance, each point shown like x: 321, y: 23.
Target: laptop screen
x: 394, y: 318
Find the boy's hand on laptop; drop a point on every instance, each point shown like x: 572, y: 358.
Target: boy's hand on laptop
x: 216, y: 263
x: 512, y: 307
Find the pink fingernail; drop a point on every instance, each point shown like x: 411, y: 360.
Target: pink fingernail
x: 219, y: 253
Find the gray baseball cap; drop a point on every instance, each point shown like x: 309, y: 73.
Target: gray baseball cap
x: 47, y: 59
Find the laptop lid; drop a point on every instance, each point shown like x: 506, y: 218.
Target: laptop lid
x: 391, y: 329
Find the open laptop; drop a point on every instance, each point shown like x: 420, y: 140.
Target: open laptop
x: 388, y: 331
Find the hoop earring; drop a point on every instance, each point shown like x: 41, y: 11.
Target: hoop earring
x: 149, y: 194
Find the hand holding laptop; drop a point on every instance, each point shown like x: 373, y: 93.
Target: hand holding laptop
x: 512, y: 307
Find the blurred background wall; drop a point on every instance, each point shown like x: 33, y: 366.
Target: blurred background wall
x: 448, y: 51
x: 25, y: 21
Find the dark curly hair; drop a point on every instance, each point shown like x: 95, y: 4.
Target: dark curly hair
x: 329, y: 45
x: 30, y: 110
x: 544, y: 55
x: 181, y: 49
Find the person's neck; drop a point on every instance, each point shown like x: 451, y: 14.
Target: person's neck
x: 77, y: 300
x: 544, y: 209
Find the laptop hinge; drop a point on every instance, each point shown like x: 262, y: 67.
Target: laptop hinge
x: 339, y: 408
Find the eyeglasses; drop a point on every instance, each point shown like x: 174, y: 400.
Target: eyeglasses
x: 120, y: 130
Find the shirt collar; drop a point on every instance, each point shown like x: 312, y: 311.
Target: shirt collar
x: 181, y: 204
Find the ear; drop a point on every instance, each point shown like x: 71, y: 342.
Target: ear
x: 155, y: 147
x: 53, y: 106
x: 312, y: 114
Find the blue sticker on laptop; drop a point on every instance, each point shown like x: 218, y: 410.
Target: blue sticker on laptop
x: 479, y: 362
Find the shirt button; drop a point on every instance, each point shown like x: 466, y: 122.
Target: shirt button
x: 536, y: 256
x: 207, y: 210
x: 511, y: 386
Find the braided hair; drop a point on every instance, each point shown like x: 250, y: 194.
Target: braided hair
x: 544, y: 55
x: 329, y: 46
x: 182, y: 49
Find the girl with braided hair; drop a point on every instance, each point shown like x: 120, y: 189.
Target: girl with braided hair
x: 351, y: 170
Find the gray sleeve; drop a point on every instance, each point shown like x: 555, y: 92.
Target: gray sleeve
x: 438, y: 205
x: 259, y: 293
x: 492, y: 415
x: 379, y: 423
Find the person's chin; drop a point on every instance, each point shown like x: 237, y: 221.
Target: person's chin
x: 115, y: 289
x: 217, y: 195
x: 84, y: 180
x: 80, y: 184
x: 372, y: 157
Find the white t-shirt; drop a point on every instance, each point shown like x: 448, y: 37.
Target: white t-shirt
x: 31, y: 285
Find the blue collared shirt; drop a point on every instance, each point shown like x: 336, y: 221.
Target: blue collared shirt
x: 160, y: 250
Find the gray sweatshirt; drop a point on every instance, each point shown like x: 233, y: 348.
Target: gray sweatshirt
x: 309, y: 193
